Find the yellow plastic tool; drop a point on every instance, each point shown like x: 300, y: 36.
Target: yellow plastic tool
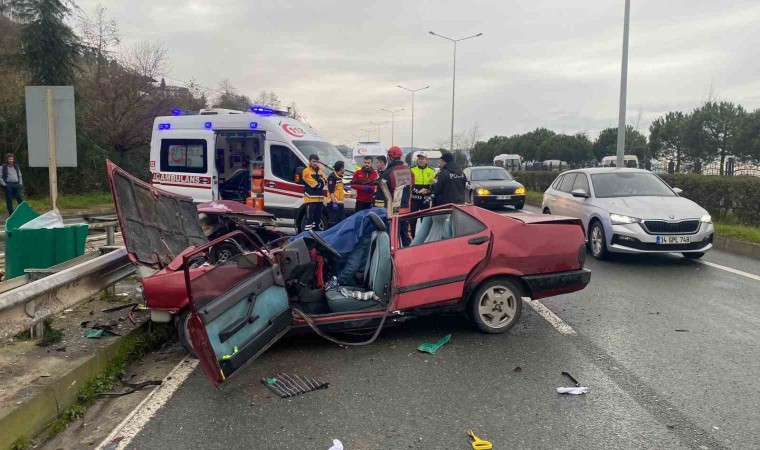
x: 477, y: 443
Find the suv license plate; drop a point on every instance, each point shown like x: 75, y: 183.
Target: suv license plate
x: 503, y: 197
x: 673, y: 240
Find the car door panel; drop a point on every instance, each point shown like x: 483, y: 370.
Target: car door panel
x: 239, y: 310
x: 435, y: 272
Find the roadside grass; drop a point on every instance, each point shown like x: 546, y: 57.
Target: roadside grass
x: 740, y: 232
x: 66, y: 201
x: 727, y: 228
x: 134, y: 348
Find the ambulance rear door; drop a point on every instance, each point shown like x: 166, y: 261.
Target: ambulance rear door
x: 185, y: 164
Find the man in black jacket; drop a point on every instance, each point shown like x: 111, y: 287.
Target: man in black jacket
x: 449, y: 185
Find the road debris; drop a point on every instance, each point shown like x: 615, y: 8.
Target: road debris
x: 337, y: 445
x: 287, y: 386
x: 432, y: 348
x: 577, y: 390
x: 683, y: 331
x: 118, y: 308
x: 477, y: 443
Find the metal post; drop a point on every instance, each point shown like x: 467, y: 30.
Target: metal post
x: 623, y: 88
x: 52, y: 159
x: 453, y: 95
x: 412, y: 121
x: 110, y: 241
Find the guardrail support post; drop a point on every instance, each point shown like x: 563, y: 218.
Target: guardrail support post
x: 38, y: 329
x: 111, y: 290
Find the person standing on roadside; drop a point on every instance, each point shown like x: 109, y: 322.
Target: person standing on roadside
x: 450, y: 182
x: 313, y: 193
x: 423, y: 182
x: 382, y: 164
x: 12, y: 182
x: 398, y: 174
x: 337, y: 193
x: 363, y: 182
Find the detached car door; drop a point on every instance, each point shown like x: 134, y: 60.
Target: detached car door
x: 447, y: 246
x: 239, y: 309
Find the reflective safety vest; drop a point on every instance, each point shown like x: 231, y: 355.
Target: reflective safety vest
x: 423, y: 179
x: 314, y: 185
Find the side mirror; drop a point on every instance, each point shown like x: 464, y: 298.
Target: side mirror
x: 580, y: 193
x: 678, y: 191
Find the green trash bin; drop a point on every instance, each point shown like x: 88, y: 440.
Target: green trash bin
x: 40, y: 248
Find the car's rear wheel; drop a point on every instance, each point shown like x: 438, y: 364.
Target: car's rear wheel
x: 546, y: 211
x: 496, y: 305
x: 182, y: 332
x: 693, y: 255
x: 598, y: 241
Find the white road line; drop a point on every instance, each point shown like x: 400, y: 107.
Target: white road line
x: 136, y: 420
x: 728, y: 269
x: 550, y: 317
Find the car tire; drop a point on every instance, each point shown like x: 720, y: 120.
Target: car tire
x: 223, y: 252
x: 547, y: 211
x: 182, y: 333
x: 693, y: 255
x: 520, y: 206
x: 598, y: 241
x: 496, y: 305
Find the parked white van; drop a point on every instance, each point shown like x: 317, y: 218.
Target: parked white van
x: 195, y: 154
x: 507, y: 161
x: 362, y: 149
x: 628, y: 160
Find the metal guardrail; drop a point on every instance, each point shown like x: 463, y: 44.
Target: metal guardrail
x: 26, y: 301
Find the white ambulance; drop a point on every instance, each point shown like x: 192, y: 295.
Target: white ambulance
x: 200, y: 154
x: 362, y: 149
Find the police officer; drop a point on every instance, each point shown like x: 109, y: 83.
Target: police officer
x: 450, y: 182
x: 423, y: 181
x: 313, y: 193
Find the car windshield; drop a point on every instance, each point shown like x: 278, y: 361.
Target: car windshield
x: 629, y: 184
x: 490, y: 174
x: 328, y: 154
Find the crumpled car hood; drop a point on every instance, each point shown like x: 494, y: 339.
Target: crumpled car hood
x: 156, y: 225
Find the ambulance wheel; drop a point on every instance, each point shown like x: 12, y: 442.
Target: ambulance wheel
x: 183, y: 335
x: 496, y: 305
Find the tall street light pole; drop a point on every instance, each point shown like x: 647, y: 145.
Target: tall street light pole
x: 412, y: 91
x: 393, y: 113
x: 454, y: 80
x: 378, y: 127
x: 623, y: 88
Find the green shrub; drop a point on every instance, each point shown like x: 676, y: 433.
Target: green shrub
x: 732, y: 199
x: 535, y: 181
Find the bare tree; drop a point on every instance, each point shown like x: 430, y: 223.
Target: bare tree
x: 147, y: 59
x: 268, y: 99
x: 294, y: 112
x: 471, y: 136
x: 99, y: 32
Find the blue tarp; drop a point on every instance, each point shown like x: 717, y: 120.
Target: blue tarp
x: 344, y: 236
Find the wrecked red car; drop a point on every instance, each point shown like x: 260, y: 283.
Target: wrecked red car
x: 462, y: 258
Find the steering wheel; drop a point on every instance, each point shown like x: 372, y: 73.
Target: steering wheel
x: 321, y: 243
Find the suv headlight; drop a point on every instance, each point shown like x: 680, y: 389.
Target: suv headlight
x: 482, y: 191
x: 619, y: 219
x: 706, y: 219
x: 520, y: 191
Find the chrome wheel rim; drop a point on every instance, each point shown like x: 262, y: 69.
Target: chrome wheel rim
x: 497, y: 306
x: 596, y: 240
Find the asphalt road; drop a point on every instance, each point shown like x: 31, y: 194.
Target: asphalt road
x: 650, y: 386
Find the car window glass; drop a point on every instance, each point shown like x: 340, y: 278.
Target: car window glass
x: 557, y: 182
x: 581, y: 182
x: 630, y: 184
x: 465, y: 224
x: 184, y: 155
x: 284, y: 162
x: 567, y: 183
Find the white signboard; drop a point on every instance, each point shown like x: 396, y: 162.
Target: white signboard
x: 38, y: 125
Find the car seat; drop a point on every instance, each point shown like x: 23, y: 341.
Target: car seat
x: 377, y: 277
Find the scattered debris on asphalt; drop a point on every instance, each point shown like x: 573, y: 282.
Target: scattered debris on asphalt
x: 118, y: 308
x: 477, y: 443
x: 683, y: 331
x: 287, y: 386
x: 572, y: 378
x: 572, y: 390
x: 517, y: 369
x: 337, y: 445
x: 432, y: 348
x: 131, y: 387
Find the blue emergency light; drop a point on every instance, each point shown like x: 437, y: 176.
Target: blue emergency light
x: 253, y: 125
x: 207, y: 125
x: 263, y: 110
x: 176, y: 112
x: 164, y: 126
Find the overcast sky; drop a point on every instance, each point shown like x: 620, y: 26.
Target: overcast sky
x: 539, y: 63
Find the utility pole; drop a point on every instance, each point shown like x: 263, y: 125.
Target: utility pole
x: 393, y: 113
x: 412, y: 91
x: 623, y: 88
